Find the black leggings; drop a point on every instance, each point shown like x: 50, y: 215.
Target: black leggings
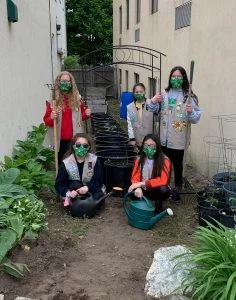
x: 64, y: 146
x: 158, y: 195
x: 176, y: 157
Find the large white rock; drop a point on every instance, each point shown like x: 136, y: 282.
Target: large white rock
x: 162, y: 278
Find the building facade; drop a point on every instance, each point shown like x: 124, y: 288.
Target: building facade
x: 33, y: 43
x: 184, y: 30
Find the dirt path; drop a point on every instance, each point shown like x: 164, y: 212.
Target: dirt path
x: 101, y: 258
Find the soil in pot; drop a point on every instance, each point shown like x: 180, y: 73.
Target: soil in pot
x: 228, y: 217
x: 209, y: 211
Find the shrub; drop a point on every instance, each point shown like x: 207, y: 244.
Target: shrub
x: 71, y: 61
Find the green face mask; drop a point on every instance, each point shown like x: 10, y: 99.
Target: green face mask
x: 139, y: 97
x: 80, y: 151
x: 149, y: 152
x: 65, y: 86
x: 176, y: 82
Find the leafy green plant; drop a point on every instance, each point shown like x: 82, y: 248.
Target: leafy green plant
x: 71, y: 61
x: 213, y: 275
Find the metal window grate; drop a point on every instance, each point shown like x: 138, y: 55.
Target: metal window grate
x: 183, y: 15
x: 154, y: 6
x: 137, y: 35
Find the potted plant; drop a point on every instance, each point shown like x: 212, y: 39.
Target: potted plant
x: 219, y: 179
x: 210, y: 268
x: 228, y: 215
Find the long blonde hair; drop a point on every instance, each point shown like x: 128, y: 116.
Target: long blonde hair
x: 74, y: 97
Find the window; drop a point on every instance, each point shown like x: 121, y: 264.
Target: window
x: 154, y: 6
x: 120, y: 41
x: 136, y: 78
x: 152, y: 83
x: 120, y: 76
x: 137, y: 35
x: 138, y: 11
x: 120, y: 18
x: 183, y: 15
x: 127, y: 80
x: 127, y: 14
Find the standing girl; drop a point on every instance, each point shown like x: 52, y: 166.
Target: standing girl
x: 70, y: 114
x: 140, y: 115
x: 177, y: 114
x: 151, y: 172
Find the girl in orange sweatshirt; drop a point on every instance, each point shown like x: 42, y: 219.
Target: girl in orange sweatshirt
x: 151, y: 172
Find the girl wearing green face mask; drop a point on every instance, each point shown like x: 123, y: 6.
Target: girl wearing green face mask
x: 151, y: 172
x: 70, y: 113
x: 177, y: 112
x: 139, y: 116
x: 80, y: 171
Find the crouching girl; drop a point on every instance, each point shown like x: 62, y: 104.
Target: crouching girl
x: 151, y: 172
x: 80, y: 172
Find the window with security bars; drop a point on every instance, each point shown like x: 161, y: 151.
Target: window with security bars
x: 183, y: 15
x: 154, y: 6
x: 137, y: 35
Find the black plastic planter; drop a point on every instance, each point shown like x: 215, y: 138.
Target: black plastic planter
x: 115, y: 140
x: 118, y: 173
x: 230, y: 193
x: 213, y: 193
x: 208, y: 212
x: 227, y: 218
x: 114, y: 147
x: 116, y: 155
x: 111, y: 132
x: 220, y: 179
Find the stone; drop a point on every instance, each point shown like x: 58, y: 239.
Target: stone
x: 162, y: 278
x: 1, y: 297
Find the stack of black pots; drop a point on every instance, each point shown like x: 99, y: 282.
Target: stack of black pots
x: 113, y: 150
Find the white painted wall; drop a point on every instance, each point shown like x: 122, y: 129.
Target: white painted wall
x: 25, y: 59
x: 210, y: 41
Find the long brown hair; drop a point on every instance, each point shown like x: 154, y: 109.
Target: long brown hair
x: 74, y: 97
x: 158, y: 158
x: 73, y: 141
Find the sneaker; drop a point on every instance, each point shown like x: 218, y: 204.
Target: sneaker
x: 175, y: 196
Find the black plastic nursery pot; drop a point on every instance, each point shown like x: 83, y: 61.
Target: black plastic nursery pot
x: 227, y: 218
x: 111, y: 146
x: 213, y: 193
x: 208, y: 212
x: 118, y: 174
x: 115, y: 140
x: 220, y: 179
x: 230, y: 193
x: 116, y: 155
x: 101, y: 116
x: 111, y: 132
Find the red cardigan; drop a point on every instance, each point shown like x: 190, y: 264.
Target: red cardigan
x: 66, y: 126
x: 155, y: 182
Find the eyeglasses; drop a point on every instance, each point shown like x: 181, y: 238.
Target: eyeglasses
x: 82, y: 145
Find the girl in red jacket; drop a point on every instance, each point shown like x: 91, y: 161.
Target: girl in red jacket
x: 151, y: 172
x: 70, y: 114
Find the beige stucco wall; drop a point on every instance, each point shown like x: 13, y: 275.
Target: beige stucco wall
x: 210, y: 41
x: 25, y: 59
